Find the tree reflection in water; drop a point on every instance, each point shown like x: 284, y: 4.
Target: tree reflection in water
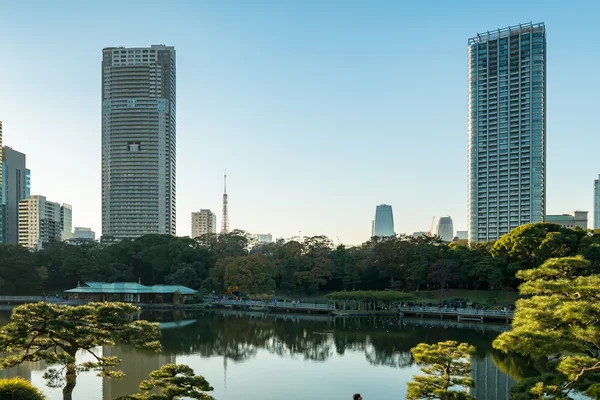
x: 239, y: 336
x: 384, y: 341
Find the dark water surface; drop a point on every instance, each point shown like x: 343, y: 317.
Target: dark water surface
x: 273, y: 357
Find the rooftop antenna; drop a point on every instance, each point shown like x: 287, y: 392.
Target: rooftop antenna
x: 225, y: 216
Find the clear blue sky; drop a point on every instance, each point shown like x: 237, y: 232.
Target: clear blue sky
x: 319, y: 110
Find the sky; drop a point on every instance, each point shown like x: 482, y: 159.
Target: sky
x: 319, y: 110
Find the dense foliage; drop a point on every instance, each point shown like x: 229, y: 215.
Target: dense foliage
x: 19, y: 389
x: 447, y: 366
x: 56, y: 333
x: 560, y: 322
x: 221, y: 262
x: 174, y: 382
x: 371, y: 296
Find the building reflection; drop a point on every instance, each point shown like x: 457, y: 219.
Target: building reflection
x: 136, y: 365
x: 22, y: 370
x: 491, y: 383
x: 235, y: 336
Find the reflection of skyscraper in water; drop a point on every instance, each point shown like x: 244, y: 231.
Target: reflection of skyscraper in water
x: 136, y: 364
x: 383, y: 224
x: 491, y: 383
x: 22, y: 370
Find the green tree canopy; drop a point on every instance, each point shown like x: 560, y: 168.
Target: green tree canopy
x: 560, y: 320
x: 530, y: 245
x: 55, y: 333
x: 19, y: 389
x: 252, y: 274
x: 447, y: 367
x: 174, y: 381
x: 371, y: 296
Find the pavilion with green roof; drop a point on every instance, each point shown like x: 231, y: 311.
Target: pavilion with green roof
x: 129, y: 292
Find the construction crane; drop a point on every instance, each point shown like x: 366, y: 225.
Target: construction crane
x: 431, y: 228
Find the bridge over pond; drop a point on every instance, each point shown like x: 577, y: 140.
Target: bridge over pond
x: 275, y: 306
x: 460, y: 314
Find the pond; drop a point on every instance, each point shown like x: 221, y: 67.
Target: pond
x: 248, y: 355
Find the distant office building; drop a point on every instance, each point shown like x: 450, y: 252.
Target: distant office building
x: 138, y: 141
x: 383, y: 224
x: 507, y: 130
x: 39, y: 222
x: 203, y: 222
x: 264, y: 238
x: 83, y: 233
x: 445, y: 229
x: 462, y: 235
x: 2, y: 203
x: 16, y: 185
x: 597, y: 203
x: 66, y: 221
x: 577, y: 219
x: 419, y: 234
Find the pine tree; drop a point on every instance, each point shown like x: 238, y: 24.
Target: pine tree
x: 448, y: 368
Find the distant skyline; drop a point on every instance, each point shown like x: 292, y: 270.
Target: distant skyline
x: 319, y: 111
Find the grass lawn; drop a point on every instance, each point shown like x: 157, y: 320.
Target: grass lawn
x: 476, y: 296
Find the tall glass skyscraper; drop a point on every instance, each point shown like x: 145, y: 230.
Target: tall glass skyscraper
x: 445, y: 229
x: 16, y: 186
x: 383, y: 224
x: 138, y: 141
x: 2, y: 190
x: 597, y: 203
x: 507, y: 130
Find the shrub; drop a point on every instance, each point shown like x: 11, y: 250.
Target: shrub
x: 19, y: 389
x: 371, y: 295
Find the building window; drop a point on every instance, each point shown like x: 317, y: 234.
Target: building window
x: 133, y: 147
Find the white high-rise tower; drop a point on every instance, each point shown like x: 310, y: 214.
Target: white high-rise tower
x: 138, y: 141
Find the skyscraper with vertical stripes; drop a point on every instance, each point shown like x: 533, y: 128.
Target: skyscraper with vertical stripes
x: 2, y: 190
x: 383, y: 223
x: 507, y: 130
x: 138, y: 141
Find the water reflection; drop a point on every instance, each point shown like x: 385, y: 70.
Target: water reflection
x: 136, y: 365
x: 372, y: 353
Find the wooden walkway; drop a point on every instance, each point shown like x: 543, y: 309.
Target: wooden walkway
x: 460, y: 314
x: 36, y: 299
x: 279, y: 306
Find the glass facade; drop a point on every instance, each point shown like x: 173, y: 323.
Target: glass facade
x: 15, y: 187
x: 507, y: 130
x: 445, y: 229
x: 27, y: 183
x: 2, y: 190
x: 383, y: 224
x: 597, y: 203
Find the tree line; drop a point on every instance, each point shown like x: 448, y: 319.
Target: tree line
x: 556, y: 322
x: 226, y: 261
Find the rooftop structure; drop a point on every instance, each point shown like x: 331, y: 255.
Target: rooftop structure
x: 576, y: 219
x: 130, y: 292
